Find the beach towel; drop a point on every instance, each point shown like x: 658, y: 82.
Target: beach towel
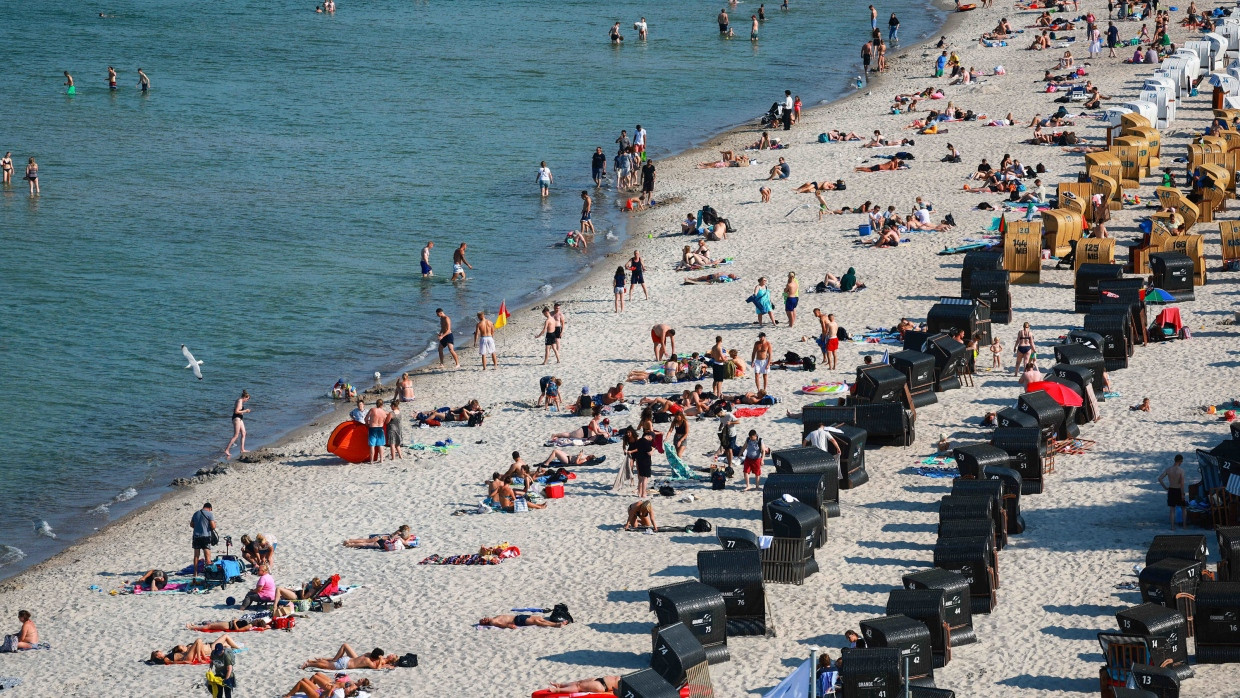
x: 9, y: 682
x: 937, y: 472
x: 825, y: 388
x: 484, y: 556
x: 680, y: 471
x: 749, y: 411
x: 624, y: 476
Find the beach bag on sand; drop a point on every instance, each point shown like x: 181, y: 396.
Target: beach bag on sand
x: 408, y: 660
x: 475, y: 419
x: 718, y: 480
x: 9, y: 644
x: 284, y: 623
x: 823, y: 138
x: 701, y: 526
x: 667, y: 491
x: 808, y: 363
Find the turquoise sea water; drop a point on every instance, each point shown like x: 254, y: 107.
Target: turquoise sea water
x: 265, y: 203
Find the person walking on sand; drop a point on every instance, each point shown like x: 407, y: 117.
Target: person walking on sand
x: 647, y: 196
x: 1172, y: 479
x: 6, y: 168
x: 484, y: 339
x: 761, y: 299
x: 598, y: 167
x: 32, y: 176
x: 663, y: 335
x: 445, y: 338
x: 792, y: 296
x: 459, y: 263
x: 70, y: 88
x: 426, y: 260
x: 557, y: 314
x: 376, y: 420
x: 144, y: 83
x: 587, y: 204
x: 545, y: 178
x: 637, y: 277
x: 548, y: 333
x: 238, y: 422
x: 203, y: 524
x: 760, y: 359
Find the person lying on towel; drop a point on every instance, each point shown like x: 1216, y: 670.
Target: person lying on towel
x: 347, y: 658
x: 510, y: 621
x: 324, y: 686
x: 197, y: 653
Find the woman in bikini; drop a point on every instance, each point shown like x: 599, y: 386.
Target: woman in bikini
x: 197, y: 653
x: 155, y: 580
x: 238, y: 421
x: 323, y: 686
x: 678, y: 433
x: 240, y: 625
x: 403, y: 534
x: 6, y: 164
x: 1024, y: 348
x: 404, y: 388
x: 641, y: 515
x: 347, y: 658
x: 588, y: 431
x: 602, y: 684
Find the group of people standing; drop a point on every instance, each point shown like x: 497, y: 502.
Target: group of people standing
x: 32, y: 172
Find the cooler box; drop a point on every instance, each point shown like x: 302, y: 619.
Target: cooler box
x: 555, y: 491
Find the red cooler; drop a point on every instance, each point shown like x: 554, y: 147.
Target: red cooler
x: 555, y: 491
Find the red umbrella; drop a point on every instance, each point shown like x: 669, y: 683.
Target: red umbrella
x: 1058, y: 391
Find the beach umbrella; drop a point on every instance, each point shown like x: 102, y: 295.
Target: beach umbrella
x: 1157, y: 295
x: 1058, y: 391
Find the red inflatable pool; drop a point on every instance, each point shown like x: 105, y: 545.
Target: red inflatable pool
x: 349, y: 441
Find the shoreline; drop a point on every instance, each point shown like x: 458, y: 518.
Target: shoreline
x: 1096, y: 516
x: 626, y: 236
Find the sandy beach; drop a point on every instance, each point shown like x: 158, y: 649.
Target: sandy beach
x: 1085, y: 533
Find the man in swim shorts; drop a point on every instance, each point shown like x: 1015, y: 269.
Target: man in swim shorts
x: 426, y: 259
x: 484, y: 339
x: 587, y: 205
x: 718, y: 365
x: 111, y: 78
x: 143, y: 81
x: 445, y: 337
x: 376, y: 420
x: 520, y: 621
x: 760, y: 358
x: 662, y: 335
x: 724, y: 25
x: 832, y: 331
x: 459, y: 263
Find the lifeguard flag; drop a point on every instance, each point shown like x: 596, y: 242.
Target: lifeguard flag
x: 501, y: 318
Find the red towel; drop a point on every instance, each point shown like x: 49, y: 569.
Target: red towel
x: 749, y: 411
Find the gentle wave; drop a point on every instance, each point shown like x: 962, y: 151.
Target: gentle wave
x: 10, y: 554
x: 43, y: 528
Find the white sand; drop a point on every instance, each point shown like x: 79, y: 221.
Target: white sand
x: 1085, y: 533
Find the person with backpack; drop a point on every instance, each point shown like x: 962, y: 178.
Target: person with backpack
x: 752, y: 453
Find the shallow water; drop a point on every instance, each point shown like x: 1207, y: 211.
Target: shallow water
x: 266, y: 202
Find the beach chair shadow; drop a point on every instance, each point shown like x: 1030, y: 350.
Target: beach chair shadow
x: 631, y: 627
x: 619, y: 660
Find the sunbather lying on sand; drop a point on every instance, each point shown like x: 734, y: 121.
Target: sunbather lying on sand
x: 834, y: 135
x: 348, y: 658
x: 154, y: 580
x: 602, y: 684
x: 727, y: 158
x: 561, y: 457
x: 715, y: 278
x: 809, y: 187
x: 403, y: 534
x: 749, y: 398
x: 879, y: 142
x: 520, y: 621
x: 892, y: 164
x: 198, y: 652
x: 240, y: 625
x: 324, y: 686
x: 594, y: 428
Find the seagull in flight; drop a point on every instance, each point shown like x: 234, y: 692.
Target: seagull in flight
x: 194, y: 364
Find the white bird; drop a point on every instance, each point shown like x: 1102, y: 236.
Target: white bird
x: 193, y: 363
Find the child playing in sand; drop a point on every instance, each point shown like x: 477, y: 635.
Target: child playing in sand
x: 996, y: 351
x: 1143, y: 407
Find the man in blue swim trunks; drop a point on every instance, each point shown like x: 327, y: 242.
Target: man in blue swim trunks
x: 376, y: 419
x: 426, y: 259
x: 445, y: 338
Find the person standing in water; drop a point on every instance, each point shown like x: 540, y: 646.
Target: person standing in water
x: 426, y: 259
x: 6, y: 166
x: 445, y: 338
x: 873, y: 19
x: 725, y: 27
x: 238, y: 421
x: 484, y: 339
x: 753, y: 28
x: 587, y: 226
x: 70, y: 88
x: 459, y: 263
x: 144, y: 83
x: 32, y: 176
x: 111, y: 78
x: 598, y: 167
x: 641, y: 29
x: 545, y: 178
